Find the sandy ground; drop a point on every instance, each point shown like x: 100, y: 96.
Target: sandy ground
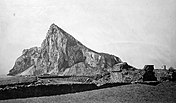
x: 162, y: 93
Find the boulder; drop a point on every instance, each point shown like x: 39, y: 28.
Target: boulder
x: 149, y: 74
x: 162, y: 75
x: 174, y: 76
x: 172, y: 72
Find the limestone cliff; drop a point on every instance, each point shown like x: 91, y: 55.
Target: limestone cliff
x: 61, y: 54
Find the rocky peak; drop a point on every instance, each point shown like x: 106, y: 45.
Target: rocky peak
x: 53, y: 29
x: 61, y: 54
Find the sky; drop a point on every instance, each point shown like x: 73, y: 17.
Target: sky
x: 140, y: 32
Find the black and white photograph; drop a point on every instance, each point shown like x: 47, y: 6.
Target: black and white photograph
x: 87, y: 51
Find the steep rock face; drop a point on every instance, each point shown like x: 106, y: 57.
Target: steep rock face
x: 25, y: 61
x: 61, y: 54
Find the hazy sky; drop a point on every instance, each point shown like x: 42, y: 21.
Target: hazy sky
x: 138, y: 31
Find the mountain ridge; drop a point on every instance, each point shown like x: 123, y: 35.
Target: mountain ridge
x: 61, y: 54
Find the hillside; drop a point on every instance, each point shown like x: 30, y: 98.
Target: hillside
x: 162, y: 93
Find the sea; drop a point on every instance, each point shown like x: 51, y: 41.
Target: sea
x: 4, y: 76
